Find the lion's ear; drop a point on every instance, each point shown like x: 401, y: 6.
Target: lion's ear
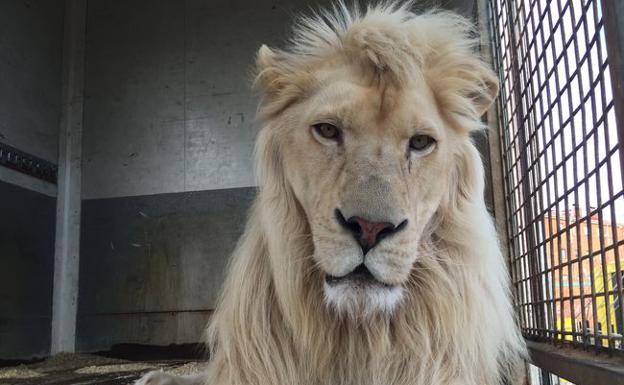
x: 271, y: 71
x: 464, y: 84
x: 264, y: 58
x: 280, y: 78
x: 266, y: 64
x: 486, y: 88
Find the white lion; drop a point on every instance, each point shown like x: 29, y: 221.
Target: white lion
x: 369, y: 257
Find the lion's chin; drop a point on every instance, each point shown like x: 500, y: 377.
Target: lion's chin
x: 356, y: 300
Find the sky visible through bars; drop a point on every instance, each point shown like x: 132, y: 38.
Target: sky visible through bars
x: 561, y: 165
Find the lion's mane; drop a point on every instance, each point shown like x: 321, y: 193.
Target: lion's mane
x: 456, y: 325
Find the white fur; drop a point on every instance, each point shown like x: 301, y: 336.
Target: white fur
x: 360, y: 303
x: 159, y: 377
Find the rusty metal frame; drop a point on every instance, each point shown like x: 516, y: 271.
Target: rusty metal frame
x: 613, y: 11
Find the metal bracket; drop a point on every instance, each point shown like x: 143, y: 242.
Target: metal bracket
x: 25, y: 163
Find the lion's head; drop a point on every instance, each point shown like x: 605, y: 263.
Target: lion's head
x: 371, y: 121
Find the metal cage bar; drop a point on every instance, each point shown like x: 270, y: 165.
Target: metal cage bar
x: 561, y: 141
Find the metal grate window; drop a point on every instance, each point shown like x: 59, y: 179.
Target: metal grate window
x: 562, y: 169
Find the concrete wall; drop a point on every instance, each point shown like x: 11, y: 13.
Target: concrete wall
x: 153, y: 265
x: 31, y: 35
x: 167, y: 160
x: 30, y: 74
x: 168, y: 105
x: 30, y: 88
x: 167, y: 168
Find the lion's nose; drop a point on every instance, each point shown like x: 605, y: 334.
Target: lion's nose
x: 368, y: 233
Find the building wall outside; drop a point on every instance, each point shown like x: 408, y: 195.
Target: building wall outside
x: 575, y: 253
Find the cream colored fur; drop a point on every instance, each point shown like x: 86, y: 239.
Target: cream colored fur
x: 382, y: 75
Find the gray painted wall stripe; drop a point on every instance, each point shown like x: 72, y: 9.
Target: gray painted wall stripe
x: 155, y: 264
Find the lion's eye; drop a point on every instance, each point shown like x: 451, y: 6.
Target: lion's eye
x: 421, y: 142
x: 327, y: 131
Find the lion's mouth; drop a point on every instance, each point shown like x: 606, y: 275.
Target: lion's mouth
x: 359, y: 276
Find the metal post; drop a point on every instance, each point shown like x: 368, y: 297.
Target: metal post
x: 613, y: 14
x: 537, y: 290
x: 67, y: 245
x: 493, y: 140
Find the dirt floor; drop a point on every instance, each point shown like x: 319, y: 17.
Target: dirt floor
x: 65, y: 369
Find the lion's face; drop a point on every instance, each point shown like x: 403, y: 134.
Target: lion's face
x: 369, y: 166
